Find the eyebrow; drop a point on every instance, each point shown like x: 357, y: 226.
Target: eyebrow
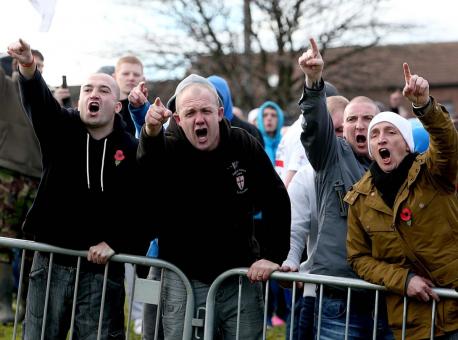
x: 100, y: 86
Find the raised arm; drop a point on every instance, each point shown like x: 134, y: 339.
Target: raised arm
x: 317, y: 126
x: 45, y: 112
x: 22, y: 52
x: 312, y: 64
x: 442, y: 154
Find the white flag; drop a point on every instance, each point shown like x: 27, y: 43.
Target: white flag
x: 46, y: 10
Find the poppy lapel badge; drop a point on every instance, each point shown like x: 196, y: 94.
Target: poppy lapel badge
x: 119, y: 157
x: 406, y: 216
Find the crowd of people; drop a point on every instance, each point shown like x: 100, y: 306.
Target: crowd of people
x: 346, y: 191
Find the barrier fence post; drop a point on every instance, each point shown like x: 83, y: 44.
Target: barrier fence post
x: 374, y: 332
x: 19, y: 295
x: 75, y: 295
x: 48, y: 287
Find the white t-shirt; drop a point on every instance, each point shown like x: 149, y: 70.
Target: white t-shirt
x: 290, y: 152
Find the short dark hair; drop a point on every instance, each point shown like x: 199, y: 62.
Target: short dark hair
x: 38, y: 54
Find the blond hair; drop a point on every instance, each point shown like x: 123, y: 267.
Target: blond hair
x: 129, y: 59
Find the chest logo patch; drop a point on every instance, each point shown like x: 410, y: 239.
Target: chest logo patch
x: 239, y: 175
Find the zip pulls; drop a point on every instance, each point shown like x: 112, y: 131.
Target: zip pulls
x: 339, y: 188
x: 87, y: 162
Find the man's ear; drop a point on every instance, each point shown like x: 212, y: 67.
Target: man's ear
x: 176, y: 117
x: 220, y: 113
x: 118, y: 107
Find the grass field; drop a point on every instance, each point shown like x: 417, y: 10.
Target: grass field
x: 275, y: 333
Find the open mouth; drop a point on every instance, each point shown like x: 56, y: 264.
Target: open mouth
x: 94, y: 107
x: 360, y: 139
x: 201, y: 133
x: 384, y: 153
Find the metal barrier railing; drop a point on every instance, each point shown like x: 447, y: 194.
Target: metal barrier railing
x: 145, y: 286
x: 320, y: 280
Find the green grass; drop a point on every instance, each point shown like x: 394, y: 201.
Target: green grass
x: 6, y: 332
x: 275, y: 333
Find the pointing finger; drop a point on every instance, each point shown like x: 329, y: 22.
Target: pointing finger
x: 407, y: 74
x: 22, y: 42
x: 143, y: 88
x: 158, y: 102
x: 314, y: 47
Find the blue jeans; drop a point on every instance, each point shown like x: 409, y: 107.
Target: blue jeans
x: 361, y: 318
x: 252, y: 312
x: 306, y: 318
x: 60, y: 303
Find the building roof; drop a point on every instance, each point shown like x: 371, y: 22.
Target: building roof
x: 380, y: 67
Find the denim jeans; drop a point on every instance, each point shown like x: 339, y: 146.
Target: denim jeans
x: 60, y: 303
x: 334, y: 311
x: 252, y: 313
x: 306, y: 318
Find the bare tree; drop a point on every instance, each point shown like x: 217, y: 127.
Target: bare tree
x: 254, y: 44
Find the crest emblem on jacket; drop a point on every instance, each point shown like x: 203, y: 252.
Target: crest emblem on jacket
x: 239, y: 176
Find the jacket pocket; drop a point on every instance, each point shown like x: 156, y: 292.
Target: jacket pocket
x: 386, y: 244
x: 447, y: 276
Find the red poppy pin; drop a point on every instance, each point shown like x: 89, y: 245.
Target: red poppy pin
x: 119, y: 156
x: 406, y: 216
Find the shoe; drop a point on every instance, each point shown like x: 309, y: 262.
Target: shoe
x: 138, y: 324
x: 276, y: 321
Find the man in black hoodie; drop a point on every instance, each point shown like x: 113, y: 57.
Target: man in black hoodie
x: 89, y: 169
x: 219, y: 177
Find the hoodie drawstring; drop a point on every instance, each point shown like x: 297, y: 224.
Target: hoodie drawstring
x: 103, y: 161
x: 87, y: 162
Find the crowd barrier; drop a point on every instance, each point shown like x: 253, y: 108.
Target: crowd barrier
x: 144, y: 290
x: 149, y: 291
x: 320, y: 281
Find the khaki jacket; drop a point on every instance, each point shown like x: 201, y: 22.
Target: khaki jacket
x: 19, y: 147
x: 382, y: 248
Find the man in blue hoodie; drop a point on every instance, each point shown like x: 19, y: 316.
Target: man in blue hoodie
x: 225, y: 94
x: 270, y: 122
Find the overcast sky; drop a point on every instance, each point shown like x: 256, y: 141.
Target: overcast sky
x: 87, y: 34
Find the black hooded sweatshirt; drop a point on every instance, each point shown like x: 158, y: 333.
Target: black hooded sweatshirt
x: 207, y: 200
x: 86, y: 195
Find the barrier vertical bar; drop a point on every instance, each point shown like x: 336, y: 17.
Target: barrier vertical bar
x: 320, y: 310
x: 239, y: 303
x: 19, y: 294
x: 293, y: 307
x: 131, y: 302
x: 102, y: 303
x: 347, y: 317
x: 75, y: 296
x: 433, y: 318
x: 48, y: 284
x: 404, y: 318
x: 266, y: 303
x: 158, y: 308
x: 374, y: 332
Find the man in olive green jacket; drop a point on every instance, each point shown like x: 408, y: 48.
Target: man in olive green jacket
x: 403, y: 218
